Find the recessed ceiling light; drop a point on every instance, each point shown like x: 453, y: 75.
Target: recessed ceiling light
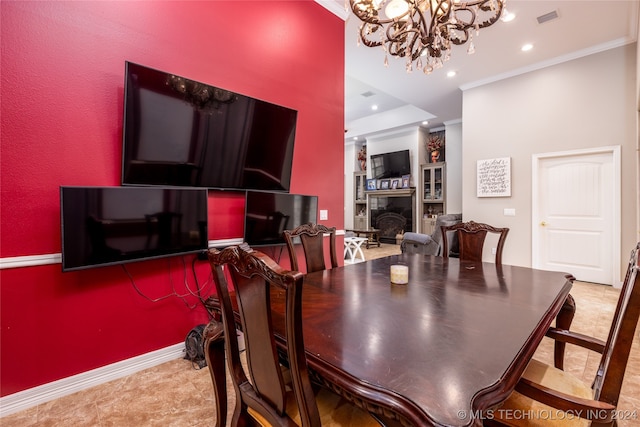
x: 426, y: 122
x: 451, y: 74
x: 527, y: 47
x: 355, y: 138
x: 374, y: 107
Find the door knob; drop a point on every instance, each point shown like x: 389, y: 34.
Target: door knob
x: 543, y: 223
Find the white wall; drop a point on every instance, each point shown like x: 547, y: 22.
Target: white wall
x: 585, y: 103
x: 453, y: 153
x: 406, y: 139
x: 351, y: 149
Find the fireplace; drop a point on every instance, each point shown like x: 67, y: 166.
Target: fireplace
x: 392, y: 212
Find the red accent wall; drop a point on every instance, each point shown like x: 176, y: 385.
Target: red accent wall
x: 62, y: 93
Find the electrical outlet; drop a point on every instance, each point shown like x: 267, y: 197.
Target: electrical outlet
x: 509, y: 212
x: 493, y: 251
x: 324, y: 214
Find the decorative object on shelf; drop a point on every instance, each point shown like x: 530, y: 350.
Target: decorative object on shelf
x: 384, y: 184
x: 371, y: 184
x: 435, y: 155
x: 435, y: 144
x: 423, y: 30
x: 362, y: 158
x: 394, y: 183
x: 405, y: 181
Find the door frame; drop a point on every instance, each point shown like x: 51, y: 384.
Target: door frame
x: 614, y: 152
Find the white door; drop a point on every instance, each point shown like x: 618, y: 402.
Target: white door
x: 575, y: 214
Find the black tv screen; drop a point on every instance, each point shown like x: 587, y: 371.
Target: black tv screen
x: 113, y: 225
x: 390, y: 165
x: 181, y: 132
x: 268, y: 214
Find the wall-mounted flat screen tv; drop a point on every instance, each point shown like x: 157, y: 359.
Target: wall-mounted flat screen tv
x: 268, y: 214
x: 113, y: 225
x: 180, y: 132
x: 390, y: 165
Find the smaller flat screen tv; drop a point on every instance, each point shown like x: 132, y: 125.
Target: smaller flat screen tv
x: 390, y: 165
x: 268, y: 214
x: 113, y: 225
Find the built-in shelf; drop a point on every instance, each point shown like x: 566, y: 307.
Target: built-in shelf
x: 360, y: 200
x: 432, y: 197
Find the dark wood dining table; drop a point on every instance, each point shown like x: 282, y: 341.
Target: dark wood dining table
x: 440, y: 350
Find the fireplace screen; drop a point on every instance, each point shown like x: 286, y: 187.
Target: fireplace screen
x: 391, y: 215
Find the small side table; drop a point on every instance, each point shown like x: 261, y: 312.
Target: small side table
x: 353, y: 249
x: 372, y: 236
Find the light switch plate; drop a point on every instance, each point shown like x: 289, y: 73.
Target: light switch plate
x: 324, y: 214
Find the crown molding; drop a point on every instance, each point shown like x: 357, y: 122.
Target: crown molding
x: 336, y: 7
x: 553, y: 61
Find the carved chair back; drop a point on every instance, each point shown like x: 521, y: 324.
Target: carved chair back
x: 312, y: 238
x: 471, y: 237
x: 615, y: 355
x: 253, y: 275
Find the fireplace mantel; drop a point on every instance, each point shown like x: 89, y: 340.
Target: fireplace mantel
x: 392, y: 193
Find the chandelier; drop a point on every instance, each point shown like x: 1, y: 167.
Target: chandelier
x: 423, y: 31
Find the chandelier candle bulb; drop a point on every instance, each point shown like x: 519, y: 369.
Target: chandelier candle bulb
x: 399, y: 274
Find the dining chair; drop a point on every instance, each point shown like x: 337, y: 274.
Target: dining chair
x: 267, y: 394
x: 312, y: 238
x: 545, y: 391
x: 471, y: 237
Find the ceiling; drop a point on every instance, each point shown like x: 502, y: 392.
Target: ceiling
x: 404, y: 99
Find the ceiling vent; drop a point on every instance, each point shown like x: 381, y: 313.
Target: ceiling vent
x: 547, y: 17
x: 367, y: 94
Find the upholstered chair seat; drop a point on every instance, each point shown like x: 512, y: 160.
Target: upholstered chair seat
x: 334, y: 411
x: 520, y: 410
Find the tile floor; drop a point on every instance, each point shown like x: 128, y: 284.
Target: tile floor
x: 176, y: 394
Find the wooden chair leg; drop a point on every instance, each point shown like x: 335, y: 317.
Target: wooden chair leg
x: 215, y: 355
x: 563, y: 321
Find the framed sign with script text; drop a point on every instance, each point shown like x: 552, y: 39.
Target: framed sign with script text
x: 494, y: 177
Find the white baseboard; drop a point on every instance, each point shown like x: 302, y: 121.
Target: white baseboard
x: 34, y: 396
